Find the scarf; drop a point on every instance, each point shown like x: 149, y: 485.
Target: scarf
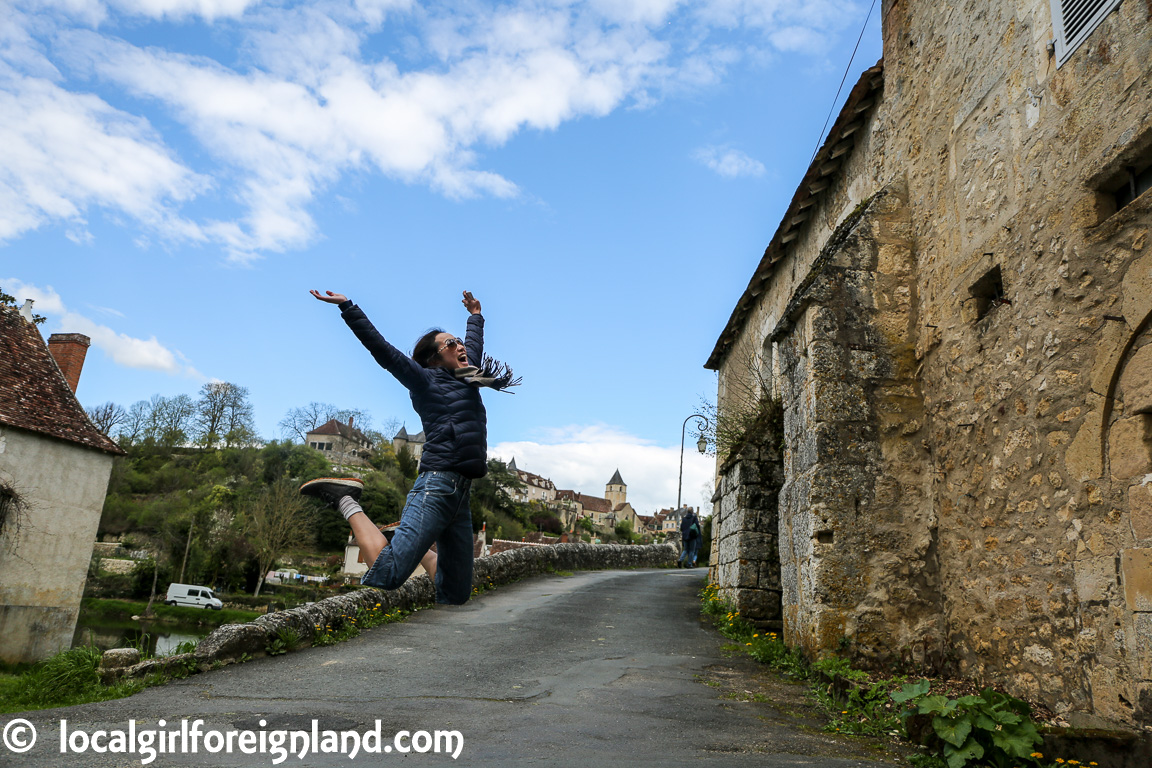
x: 491, y: 373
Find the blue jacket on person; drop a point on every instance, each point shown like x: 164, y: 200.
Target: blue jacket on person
x: 451, y: 412
x: 686, y: 523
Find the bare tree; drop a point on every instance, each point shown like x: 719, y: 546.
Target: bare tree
x: 171, y: 418
x: 239, y: 420
x: 300, y: 421
x: 275, y: 521
x: 136, y: 422
x: 106, y: 417
x: 223, y: 414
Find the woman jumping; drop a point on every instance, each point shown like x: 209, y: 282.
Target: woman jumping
x: 443, y: 379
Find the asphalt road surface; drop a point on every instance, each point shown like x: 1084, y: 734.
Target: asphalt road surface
x: 611, y: 668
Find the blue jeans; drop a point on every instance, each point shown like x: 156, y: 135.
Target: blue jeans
x: 436, y: 511
x: 691, y: 548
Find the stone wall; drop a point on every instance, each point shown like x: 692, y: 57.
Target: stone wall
x: 745, y: 558
x: 235, y: 642
x: 858, y: 548
x: 968, y: 426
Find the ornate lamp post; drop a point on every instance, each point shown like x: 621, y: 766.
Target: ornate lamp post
x: 701, y: 445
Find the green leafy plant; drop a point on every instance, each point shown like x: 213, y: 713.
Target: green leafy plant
x: 286, y: 639
x: 992, y: 729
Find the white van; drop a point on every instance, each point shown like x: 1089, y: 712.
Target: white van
x: 190, y: 594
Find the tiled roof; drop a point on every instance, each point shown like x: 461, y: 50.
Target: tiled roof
x: 616, y: 479
x: 594, y: 503
x: 591, y: 503
x: 826, y: 165
x: 33, y: 393
x: 334, y: 427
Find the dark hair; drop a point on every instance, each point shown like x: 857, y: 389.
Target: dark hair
x: 425, y: 349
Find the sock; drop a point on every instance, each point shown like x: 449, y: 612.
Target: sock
x: 348, y: 507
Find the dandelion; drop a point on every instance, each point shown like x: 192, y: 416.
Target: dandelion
x: 747, y: 643
x: 1073, y: 762
x: 1059, y: 760
x: 756, y: 635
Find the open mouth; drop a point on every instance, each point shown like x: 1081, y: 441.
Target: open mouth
x: 462, y: 358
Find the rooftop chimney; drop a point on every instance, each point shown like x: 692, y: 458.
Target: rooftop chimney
x: 350, y: 420
x: 69, y: 351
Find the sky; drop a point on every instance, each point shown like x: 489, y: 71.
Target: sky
x: 603, y: 176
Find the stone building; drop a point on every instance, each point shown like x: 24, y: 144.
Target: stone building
x: 535, y: 487
x: 414, y: 443
x: 340, y: 443
x: 54, y: 469
x: 945, y: 359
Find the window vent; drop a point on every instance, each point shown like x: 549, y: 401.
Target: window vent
x: 1074, y: 20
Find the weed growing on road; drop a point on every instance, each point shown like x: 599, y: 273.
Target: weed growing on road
x: 765, y: 647
x: 348, y: 626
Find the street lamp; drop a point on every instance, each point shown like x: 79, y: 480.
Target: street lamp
x: 701, y: 445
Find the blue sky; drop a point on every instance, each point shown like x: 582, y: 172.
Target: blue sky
x: 603, y: 176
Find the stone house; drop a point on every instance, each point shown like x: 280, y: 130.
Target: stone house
x: 340, y: 443
x: 414, y: 443
x: 54, y: 469
x: 536, y: 488
x: 945, y: 355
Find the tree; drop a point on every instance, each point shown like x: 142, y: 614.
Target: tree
x: 223, y: 414
x: 276, y: 519
x: 136, y: 422
x: 9, y: 300
x: 624, y: 529
x: 491, y: 491
x: 171, y: 419
x: 106, y: 417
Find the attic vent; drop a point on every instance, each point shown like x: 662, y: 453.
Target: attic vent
x: 988, y: 292
x: 1074, y: 20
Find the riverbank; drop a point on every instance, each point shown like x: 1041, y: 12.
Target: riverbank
x: 124, y: 610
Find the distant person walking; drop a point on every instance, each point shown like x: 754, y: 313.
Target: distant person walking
x: 443, y: 377
x: 691, y: 538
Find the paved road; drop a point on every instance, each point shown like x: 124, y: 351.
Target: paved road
x: 593, y: 669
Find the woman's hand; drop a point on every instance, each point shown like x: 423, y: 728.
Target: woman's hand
x: 335, y: 298
x: 471, y: 303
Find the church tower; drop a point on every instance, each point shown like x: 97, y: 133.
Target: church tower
x: 616, y: 491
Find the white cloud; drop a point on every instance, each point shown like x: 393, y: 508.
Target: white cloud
x: 728, y: 162
x: 584, y: 458
x: 125, y: 350
x: 312, y: 98
x: 62, y: 153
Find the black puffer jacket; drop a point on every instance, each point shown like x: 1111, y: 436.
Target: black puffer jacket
x: 451, y: 411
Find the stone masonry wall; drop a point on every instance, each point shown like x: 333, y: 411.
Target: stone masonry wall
x: 1038, y: 456
x: 857, y: 532
x: 745, y: 530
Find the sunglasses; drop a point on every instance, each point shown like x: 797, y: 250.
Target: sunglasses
x: 449, y: 344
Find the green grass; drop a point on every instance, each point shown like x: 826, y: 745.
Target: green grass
x: 124, y: 610
x: 63, y: 680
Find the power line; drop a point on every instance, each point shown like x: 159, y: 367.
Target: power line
x: 820, y: 138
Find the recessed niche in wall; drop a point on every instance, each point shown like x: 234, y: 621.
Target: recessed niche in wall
x: 987, y: 293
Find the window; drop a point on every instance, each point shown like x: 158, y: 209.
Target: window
x: 1135, y: 184
x: 1074, y: 20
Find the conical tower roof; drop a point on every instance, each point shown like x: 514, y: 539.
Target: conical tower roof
x: 617, y: 480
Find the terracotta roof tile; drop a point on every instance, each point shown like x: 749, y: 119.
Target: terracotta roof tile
x: 33, y: 393
x: 334, y: 427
